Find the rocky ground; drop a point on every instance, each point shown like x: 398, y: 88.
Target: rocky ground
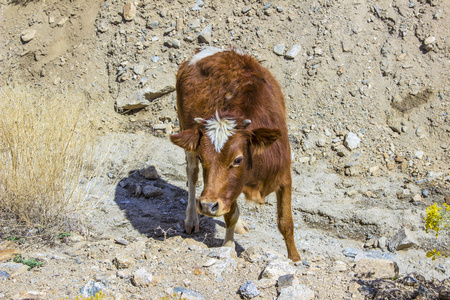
x: 367, y: 91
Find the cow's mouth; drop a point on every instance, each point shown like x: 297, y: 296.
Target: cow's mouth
x: 211, y: 208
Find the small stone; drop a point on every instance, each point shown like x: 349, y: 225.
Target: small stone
x: 403, y: 239
x: 123, y: 261
x: 150, y: 191
x: 155, y: 58
x: 399, y: 159
x: 376, y: 268
x: 151, y: 24
x: 164, y: 129
x: 62, y: 21
x: 188, y: 294
x: 390, y: 165
x: 297, y: 292
x: 285, y: 281
x: 194, y: 24
x: 350, y: 252
x: 91, y: 288
x: 223, y: 253
x: 340, y: 266
x: 248, y: 290
x: 265, y: 283
x: 246, y: 9
x: 124, y: 274
x: 418, y: 154
x: 447, y: 199
x: 129, y: 11
x: 340, y: 71
x: 142, y: 278
x: 34, y: 295
x: 27, y: 35
x: 149, y: 173
x: 351, y: 141
x: 351, y: 193
x: 278, y: 49
x: 153, y: 93
x: 293, y: 52
x: 205, y: 35
x: 373, y: 169
x: 139, y: 69
x: 382, y: 243
x: 121, y: 241
x: 429, y: 40
x: 8, y: 253
x: 4, y: 275
x: 417, y: 198
x: 277, y: 268
x: 252, y: 254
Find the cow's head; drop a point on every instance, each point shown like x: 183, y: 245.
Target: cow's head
x: 225, y: 148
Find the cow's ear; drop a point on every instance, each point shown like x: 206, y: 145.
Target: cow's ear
x: 187, y: 139
x: 262, y: 138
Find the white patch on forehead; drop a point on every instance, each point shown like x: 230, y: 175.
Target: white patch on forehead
x: 219, y: 130
x: 207, y: 51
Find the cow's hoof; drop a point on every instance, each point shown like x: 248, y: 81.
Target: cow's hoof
x: 241, y: 227
x: 191, y: 225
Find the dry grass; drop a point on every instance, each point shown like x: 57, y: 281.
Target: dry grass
x: 46, y: 147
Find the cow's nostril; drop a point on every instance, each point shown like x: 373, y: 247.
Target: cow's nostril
x: 214, y: 207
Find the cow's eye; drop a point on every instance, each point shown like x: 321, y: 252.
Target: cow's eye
x: 238, y: 161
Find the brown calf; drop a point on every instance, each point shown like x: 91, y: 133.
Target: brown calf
x: 232, y: 117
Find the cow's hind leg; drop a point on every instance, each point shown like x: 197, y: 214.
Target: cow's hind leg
x: 231, y: 219
x: 285, y: 221
x: 191, y: 221
x: 241, y: 227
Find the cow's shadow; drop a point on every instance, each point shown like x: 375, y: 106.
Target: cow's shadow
x: 157, y: 209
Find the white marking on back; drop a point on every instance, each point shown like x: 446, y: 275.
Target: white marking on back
x: 219, y: 130
x: 206, y: 51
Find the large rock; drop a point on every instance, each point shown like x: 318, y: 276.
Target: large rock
x: 376, y: 268
x: 143, y: 98
x: 403, y: 239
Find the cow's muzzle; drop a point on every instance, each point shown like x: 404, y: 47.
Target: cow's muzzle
x: 209, y: 207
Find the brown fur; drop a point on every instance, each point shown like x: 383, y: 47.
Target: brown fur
x: 238, y: 87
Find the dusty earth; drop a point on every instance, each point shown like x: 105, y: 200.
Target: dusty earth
x: 367, y: 96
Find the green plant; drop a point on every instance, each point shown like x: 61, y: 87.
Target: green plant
x: 31, y: 262
x: 15, y: 239
x: 437, y: 219
x: 63, y: 235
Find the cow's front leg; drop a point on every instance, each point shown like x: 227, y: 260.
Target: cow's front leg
x: 191, y: 221
x: 285, y: 221
x: 231, y: 219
